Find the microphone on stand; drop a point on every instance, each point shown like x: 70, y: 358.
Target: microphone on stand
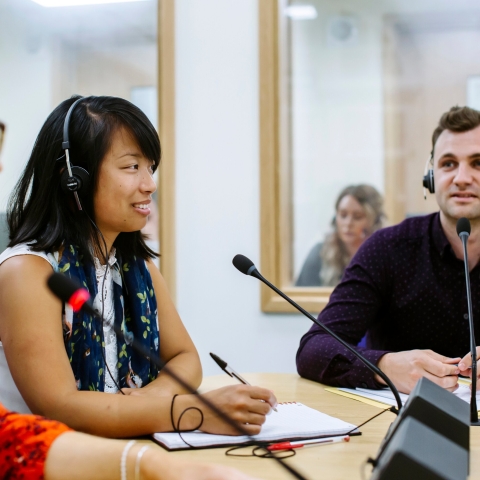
x: 463, y: 231
x: 433, y: 419
x: 77, y: 296
x: 247, y: 267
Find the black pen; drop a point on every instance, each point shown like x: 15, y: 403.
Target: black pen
x: 230, y: 371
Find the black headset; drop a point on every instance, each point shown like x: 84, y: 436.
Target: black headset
x: 428, y: 181
x: 74, y: 179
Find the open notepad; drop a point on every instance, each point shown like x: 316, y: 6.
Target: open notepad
x: 386, y: 396
x: 293, y: 421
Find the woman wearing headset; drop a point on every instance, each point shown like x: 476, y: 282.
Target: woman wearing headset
x: 78, y: 209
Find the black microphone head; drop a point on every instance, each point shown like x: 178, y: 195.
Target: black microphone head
x: 243, y: 264
x: 463, y: 226
x: 62, y: 286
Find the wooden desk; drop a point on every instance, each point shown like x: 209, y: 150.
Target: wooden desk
x: 338, y: 461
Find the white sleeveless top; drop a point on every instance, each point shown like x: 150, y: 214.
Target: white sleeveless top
x: 9, y: 395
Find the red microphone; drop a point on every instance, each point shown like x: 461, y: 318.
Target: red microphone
x: 70, y: 292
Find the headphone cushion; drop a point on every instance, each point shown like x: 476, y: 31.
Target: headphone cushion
x: 429, y: 182
x: 78, y: 182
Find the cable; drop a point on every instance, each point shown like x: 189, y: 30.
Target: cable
x: 107, y: 269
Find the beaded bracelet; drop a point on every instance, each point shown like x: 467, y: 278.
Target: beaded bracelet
x: 138, y: 460
x: 123, y: 461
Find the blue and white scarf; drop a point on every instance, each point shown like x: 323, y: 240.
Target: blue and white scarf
x: 135, y: 312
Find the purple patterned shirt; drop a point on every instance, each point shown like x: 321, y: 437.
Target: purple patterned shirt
x: 404, y: 288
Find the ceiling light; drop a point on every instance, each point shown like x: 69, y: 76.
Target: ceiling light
x: 301, y: 12
x: 71, y: 3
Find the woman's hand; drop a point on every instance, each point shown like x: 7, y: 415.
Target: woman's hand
x: 245, y: 404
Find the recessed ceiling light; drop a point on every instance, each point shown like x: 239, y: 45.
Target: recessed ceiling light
x: 301, y: 12
x: 71, y: 3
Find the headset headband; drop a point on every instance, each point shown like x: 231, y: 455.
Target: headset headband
x: 74, y: 179
x: 66, y: 140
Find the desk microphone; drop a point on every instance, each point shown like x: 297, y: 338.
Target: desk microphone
x: 463, y: 231
x: 247, y: 267
x: 77, y: 296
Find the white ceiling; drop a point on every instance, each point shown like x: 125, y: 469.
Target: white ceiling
x: 84, y: 26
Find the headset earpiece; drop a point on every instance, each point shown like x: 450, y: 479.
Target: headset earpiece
x: 428, y: 180
x: 79, y: 181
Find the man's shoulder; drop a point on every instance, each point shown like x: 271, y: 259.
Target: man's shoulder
x: 409, y: 230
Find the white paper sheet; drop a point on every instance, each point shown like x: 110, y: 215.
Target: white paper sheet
x: 386, y: 396
x: 293, y: 421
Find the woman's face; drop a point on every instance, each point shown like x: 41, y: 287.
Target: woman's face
x: 352, y: 222
x: 125, y: 185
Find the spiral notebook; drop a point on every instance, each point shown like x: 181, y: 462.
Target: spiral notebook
x: 293, y: 421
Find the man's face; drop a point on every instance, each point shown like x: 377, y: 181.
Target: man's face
x: 457, y: 174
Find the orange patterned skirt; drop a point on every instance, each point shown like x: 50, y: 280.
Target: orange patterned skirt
x: 24, y: 443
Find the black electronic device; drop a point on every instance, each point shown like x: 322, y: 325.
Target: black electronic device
x: 428, y: 180
x: 247, y: 267
x: 463, y: 231
x: 74, y: 179
x: 445, y: 415
x: 439, y: 410
x: 416, y: 452
x: 77, y: 296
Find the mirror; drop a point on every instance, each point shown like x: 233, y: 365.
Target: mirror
x: 350, y: 94
x: 122, y: 49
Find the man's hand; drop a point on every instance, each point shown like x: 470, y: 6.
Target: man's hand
x: 406, y: 368
x: 465, y: 366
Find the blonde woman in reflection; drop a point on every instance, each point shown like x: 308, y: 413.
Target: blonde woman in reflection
x: 358, y: 213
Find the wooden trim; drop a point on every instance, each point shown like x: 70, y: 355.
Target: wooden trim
x: 166, y: 108
x: 394, y: 162
x: 276, y: 232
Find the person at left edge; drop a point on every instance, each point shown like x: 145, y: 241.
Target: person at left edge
x: 70, y: 374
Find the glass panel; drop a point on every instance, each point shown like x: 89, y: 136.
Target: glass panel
x: 49, y: 54
x: 368, y: 82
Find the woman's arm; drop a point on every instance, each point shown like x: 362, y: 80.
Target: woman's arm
x: 31, y: 333
x: 68, y: 454
x: 176, y: 346
x: 49, y: 450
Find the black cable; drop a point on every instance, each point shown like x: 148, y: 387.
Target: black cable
x: 391, y: 409
x: 230, y: 421
x: 107, y: 268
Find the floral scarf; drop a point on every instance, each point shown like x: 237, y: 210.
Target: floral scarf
x: 135, y: 312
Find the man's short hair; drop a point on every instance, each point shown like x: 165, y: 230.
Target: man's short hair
x: 457, y: 119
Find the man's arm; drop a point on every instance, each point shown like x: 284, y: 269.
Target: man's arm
x: 360, y: 302
x: 353, y: 307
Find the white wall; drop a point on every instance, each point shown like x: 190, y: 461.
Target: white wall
x: 25, y: 94
x: 218, y: 190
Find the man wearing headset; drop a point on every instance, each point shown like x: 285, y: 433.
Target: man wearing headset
x: 405, y: 287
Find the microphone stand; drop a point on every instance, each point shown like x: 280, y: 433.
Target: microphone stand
x: 473, y: 348
x: 162, y: 366
x: 252, y: 271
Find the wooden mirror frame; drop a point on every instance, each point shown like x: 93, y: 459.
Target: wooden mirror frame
x: 276, y: 209
x: 276, y: 230
x: 166, y: 115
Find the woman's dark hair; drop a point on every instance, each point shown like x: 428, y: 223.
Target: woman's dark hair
x: 40, y: 213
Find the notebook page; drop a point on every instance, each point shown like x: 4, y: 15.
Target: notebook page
x: 292, y: 421
x: 386, y: 396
